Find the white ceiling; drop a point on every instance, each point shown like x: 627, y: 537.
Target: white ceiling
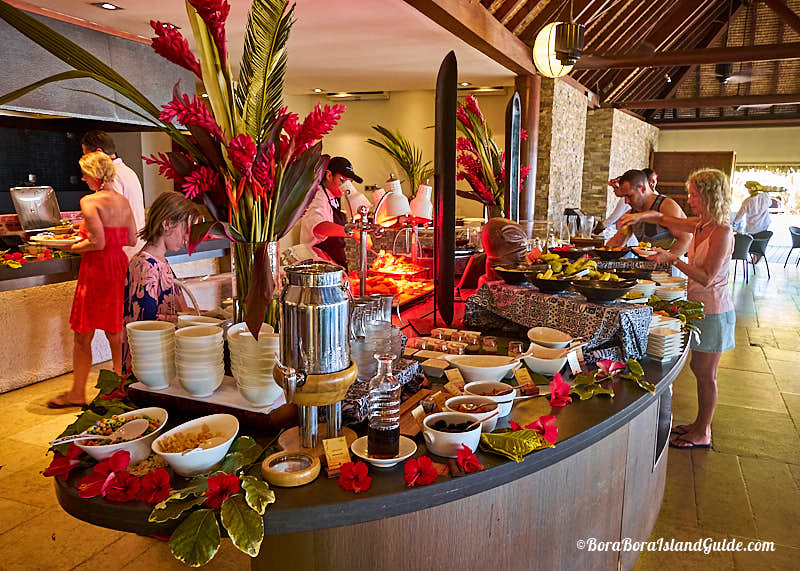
x: 335, y: 45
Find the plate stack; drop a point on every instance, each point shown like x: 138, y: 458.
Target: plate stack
x: 198, y: 356
x: 667, y: 322
x: 645, y: 287
x: 671, y: 289
x: 251, y: 364
x: 664, y: 343
x: 152, y: 345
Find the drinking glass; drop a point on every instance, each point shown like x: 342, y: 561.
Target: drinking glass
x: 515, y: 349
x: 490, y: 344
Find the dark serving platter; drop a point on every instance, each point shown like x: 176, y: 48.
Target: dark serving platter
x: 602, y: 291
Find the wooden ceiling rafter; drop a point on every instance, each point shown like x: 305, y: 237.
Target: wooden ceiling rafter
x: 581, y: 11
x: 523, y: 13
x: 786, y: 14
x: 506, y: 7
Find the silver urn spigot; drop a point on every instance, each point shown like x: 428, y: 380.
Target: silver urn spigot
x: 292, y: 379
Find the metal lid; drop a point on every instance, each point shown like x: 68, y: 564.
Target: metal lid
x: 315, y: 274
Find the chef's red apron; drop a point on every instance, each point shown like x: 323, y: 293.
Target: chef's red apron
x: 334, y: 245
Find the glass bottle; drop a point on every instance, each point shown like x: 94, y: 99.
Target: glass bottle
x: 383, y: 435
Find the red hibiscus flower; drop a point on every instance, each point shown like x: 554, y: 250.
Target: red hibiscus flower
x: 559, y: 391
x: 467, y: 460
x: 354, y: 477
x: 155, y: 486
x: 124, y: 487
x: 62, y: 465
x: 545, y: 425
x: 220, y: 488
x: 514, y: 426
x: 172, y: 46
x: 609, y: 368
x: 98, y: 482
x: 419, y: 471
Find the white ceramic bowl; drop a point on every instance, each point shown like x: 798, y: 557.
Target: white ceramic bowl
x: 259, y: 396
x: 447, y: 443
x: 155, y: 379
x: 198, y: 336
x: 544, y: 360
x: 483, y: 367
x: 237, y: 327
x: 486, y: 425
x: 200, y: 461
x: 201, y: 387
x: 549, y: 337
x: 189, y: 320
x: 505, y: 402
x: 139, y: 448
x: 150, y: 328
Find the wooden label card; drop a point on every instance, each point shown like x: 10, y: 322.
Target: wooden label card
x: 336, y: 452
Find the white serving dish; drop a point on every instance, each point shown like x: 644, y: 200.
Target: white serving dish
x: 486, y: 425
x: 544, y: 360
x: 262, y: 395
x: 549, y: 337
x: 447, y: 444
x: 505, y: 402
x: 199, y: 461
x: 407, y: 449
x: 483, y: 367
x: 138, y: 448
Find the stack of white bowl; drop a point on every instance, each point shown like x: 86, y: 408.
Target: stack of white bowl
x: 187, y: 320
x: 664, y: 343
x: 646, y: 287
x: 251, y: 364
x: 152, y: 345
x: 198, y: 356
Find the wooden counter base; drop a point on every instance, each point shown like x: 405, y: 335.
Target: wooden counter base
x: 608, y: 491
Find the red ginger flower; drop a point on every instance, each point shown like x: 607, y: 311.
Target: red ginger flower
x: 464, y: 144
x: 467, y: 460
x: 220, y: 488
x: 472, y: 104
x: 123, y: 487
x: 463, y: 117
x: 155, y: 486
x: 98, y: 482
x: 190, y: 112
x: 214, y: 13
x: 62, y: 465
x: 317, y: 124
x: 172, y: 46
x: 242, y: 152
x: 354, y: 477
x: 419, y: 471
x: 165, y: 167
x: 559, y: 391
x: 202, y: 180
x: 545, y: 425
x: 264, y: 168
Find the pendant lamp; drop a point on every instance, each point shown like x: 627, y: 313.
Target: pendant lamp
x: 545, y: 57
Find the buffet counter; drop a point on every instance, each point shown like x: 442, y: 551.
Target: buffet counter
x: 604, y: 479
x: 37, y: 299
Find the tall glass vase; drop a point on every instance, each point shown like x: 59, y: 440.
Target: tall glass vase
x: 255, y: 264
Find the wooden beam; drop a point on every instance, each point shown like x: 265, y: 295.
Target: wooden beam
x: 724, y: 101
x: 777, y: 120
x: 693, y: 57
x: 784, y: 13
x: 473, y: 23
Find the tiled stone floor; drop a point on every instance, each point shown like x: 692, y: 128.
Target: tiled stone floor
x: 747, y: 486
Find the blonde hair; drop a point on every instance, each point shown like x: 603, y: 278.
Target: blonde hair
x: 170, y: 206
x: 714, y: 189
x: 98, y: 165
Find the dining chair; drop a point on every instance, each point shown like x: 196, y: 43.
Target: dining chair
x: 794, y: 231
x: 759, y: 248
x: 741, y: 249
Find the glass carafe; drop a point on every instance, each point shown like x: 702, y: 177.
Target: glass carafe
x: 383, y: 435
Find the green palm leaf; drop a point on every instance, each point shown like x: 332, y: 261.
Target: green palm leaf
x: 407, y: 156
x: 259, y: 94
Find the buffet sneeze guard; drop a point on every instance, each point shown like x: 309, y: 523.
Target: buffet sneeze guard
x: 36, y: 206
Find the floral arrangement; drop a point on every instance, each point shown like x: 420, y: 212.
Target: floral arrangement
x: 482, y: 164
x: 15, y: 260
x: 250, y: 161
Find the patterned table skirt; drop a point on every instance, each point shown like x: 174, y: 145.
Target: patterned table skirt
x: 615, y: 330
x: 354, y: 407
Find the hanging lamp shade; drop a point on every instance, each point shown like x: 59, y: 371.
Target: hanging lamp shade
x: 545, y: 57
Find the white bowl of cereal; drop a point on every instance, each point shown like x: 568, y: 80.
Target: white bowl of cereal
x: 139, y: 448
x: 195, y: 447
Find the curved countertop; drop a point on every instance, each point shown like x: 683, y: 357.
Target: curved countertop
x: 322, y: 504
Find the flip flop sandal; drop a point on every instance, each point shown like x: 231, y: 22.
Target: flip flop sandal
x: 61, y: 402
x: 689, y: 444
x: 680, y: 429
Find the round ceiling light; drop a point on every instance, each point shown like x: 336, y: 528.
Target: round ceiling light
x: 544, y: 53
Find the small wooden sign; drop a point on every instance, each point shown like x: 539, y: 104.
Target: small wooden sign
x: 523, y: 376
x: 336, y: 452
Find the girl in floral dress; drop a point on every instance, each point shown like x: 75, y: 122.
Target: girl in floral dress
x: 150, y: 289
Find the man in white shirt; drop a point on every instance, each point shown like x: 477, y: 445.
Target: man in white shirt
x: 322, y: 225
x: 756, y: 209
x: 125, y: 181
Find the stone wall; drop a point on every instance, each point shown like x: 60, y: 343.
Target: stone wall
x: 615, y: 143
x: 562, y: 130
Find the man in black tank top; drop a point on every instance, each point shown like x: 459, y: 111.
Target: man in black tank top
x: 636, y: 191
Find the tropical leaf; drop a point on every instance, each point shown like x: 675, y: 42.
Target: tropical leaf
x: 244, y: 525
x: 259, y: 289
x: 242, y: 453
x: 586, y: 392
x: 196, y: 540
x: 259, y: 93
x: 214, y: 227
x: 174, y: 507
x: 300, y: 181
x: 73, y: 55
x: 407, y: 156
x: 257, y: 493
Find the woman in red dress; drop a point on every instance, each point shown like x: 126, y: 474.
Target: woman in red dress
x: 108, y: 225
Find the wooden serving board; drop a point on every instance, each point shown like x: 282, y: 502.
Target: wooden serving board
x: 408, y: 425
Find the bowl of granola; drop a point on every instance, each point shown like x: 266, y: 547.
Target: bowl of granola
x: 195, y: 447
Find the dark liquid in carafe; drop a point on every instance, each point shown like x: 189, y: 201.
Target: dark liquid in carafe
x: 383, y: 443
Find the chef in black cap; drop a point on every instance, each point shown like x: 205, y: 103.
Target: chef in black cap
x: 322, y: 225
